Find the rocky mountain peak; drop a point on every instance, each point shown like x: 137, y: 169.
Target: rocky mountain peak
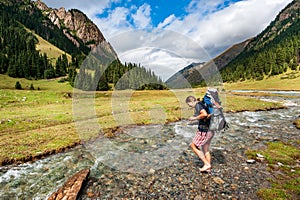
x: 40, y: 5
x: 74, y: 24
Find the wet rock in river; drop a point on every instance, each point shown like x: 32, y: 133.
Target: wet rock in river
x: 251, y: 161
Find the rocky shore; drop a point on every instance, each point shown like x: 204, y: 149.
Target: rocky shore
x: 231, y: 178
x: 178, y: 175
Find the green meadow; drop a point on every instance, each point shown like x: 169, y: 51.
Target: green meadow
x: 287, y: 81
x: 38, y: 122
x: 282, y: 161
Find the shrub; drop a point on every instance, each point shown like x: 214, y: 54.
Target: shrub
x: 31, y: 87
x: 18, y: 86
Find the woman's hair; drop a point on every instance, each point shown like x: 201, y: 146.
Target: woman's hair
x: 190, y: 99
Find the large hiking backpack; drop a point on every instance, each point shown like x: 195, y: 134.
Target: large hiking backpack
x: 213, y: 106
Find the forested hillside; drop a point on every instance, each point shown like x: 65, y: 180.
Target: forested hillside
x: 94, y: 76
x: 20, y: 58
x: 18, y: 54
x: 272, y: 52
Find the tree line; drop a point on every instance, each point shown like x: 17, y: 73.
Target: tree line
x: 92, y: 76
x: 18, y: 55
x: 20, y: 59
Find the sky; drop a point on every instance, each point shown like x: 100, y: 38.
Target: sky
x: 168, y: 35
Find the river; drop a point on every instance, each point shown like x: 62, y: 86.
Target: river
x: 121, y: 165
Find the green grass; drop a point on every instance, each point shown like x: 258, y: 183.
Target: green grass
x: 272, y: 83
x: 45, y: 84
x: 39, y: 122
x: 243, y: 103
x: 286, y: 184
x: 50, y: 50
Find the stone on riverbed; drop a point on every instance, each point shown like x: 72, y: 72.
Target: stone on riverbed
x: 251, y: 161
x: 72, y: 187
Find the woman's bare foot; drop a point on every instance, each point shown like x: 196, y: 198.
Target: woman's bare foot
x: 208, y: 171
x: 205, y: 168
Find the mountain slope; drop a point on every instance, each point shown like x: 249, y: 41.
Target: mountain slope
x: 272, y: 52
x: 43, y: 46
x: 32, y: 44
x: 23, y: 30
x: 191, y: 74
x: 79, y: 29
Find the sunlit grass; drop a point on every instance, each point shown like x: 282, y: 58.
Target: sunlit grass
x: 242, y: 103
x: 50, y: 50
x: 271, y: 83
x: 38, y: 122
x: 51, y: 85
x: 282, y: 161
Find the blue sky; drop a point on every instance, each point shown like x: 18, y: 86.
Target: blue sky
x: 160, y: 9
x: 209, y: 26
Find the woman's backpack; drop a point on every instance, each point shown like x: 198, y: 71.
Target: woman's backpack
x: 212, y: 103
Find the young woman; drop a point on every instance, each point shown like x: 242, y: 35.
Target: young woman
x: 201, y: 142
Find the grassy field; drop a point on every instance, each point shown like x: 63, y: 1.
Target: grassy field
x: 288, y: 81
x: 52, y: 51
x: 286, y: 183
x: 34, y: 123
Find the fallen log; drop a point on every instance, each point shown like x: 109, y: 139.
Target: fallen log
x: 71, y: 188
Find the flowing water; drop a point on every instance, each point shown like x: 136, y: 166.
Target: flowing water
x: 132, y: 152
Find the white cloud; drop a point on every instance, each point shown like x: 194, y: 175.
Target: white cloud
x: 212, y: 28
x: 221, y: 29
x: 109, y: 29
x: 160, y: 61
x: 167, y: 21
x: 142, y: 17
x: 204, y: 7
x: 208, y: 26
x: 163, y: 51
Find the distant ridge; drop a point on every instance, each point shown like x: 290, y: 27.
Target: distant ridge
x: 275, y: 51
x: 190, y: 74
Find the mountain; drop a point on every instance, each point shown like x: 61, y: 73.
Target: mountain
x: 274, y: 51
x: 191, y: 75
x: 23, y: 25
x: 185, y: 77
x: 78, y: 28
x: 38, y: 42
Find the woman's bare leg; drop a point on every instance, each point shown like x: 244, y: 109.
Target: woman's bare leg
x: 201, y: 156
x: 205, y: 149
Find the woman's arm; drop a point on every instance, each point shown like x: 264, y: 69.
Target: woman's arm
x: 202, y: 115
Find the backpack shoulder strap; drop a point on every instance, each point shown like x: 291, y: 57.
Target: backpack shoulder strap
x: 204, y: 105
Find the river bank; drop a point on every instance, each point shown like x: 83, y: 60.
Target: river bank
x: 164, y: 166
x: 36, y: 124
x: 231, y: 178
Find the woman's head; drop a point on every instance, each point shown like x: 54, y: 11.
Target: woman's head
x: 191, y: 101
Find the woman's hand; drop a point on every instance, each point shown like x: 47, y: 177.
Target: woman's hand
x: 192, y: 118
